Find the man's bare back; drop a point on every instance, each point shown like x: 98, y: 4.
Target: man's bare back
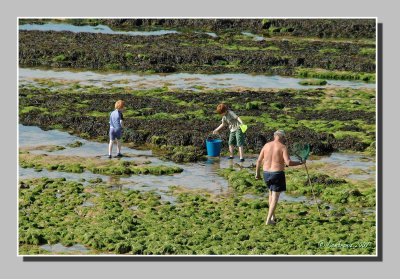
x: 274, y: 156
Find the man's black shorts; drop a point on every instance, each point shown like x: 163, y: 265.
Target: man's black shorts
x: 275, y: 180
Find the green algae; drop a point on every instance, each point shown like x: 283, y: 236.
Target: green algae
x: 328, y: 50
x: 182, y: 154
x: 51, y: 212
x: 243, y: 181
x: 327, y: 188
x: 340, y: 75
x: 313, y: 82
x: 77, y: 164
x: 59, y: 58
x: 368, y: 51
x: 47, y: 148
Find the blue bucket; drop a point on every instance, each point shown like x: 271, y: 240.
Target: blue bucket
x: 213, y: 147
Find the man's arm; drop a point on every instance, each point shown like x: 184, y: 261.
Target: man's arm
x: 259, y: 163
x: 289, y: 162
x: 240, y: 121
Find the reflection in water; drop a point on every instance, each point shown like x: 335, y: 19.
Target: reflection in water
x: 114, y: 182
x: 213, y: 164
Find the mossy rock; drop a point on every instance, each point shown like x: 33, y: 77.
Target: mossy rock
x: 75, y: 144
x: 313, y: 82
x: 158, y: 140
x: 278, y: 106
x: 95, y: 180
x: 324, y: 180
x: 59, y: 58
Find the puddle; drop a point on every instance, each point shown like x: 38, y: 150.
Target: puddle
x: 87, y: 204
x: 184, y: 81
x: 211, y: 34
x: 168, y: 198
x: 368, y: 211
x: 255, y: 37
x: 103, y: 29
x: 352, y: 161
x: 361, y: 176
x: 59, y: 248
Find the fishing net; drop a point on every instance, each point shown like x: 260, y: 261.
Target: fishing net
x: 300, y: 150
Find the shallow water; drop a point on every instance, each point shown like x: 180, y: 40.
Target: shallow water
x: 59, y: 248
x: 202, y: 175
x: 32, y: 135
x: 353, y: 161
x: 194, y: 176
x: 185, y: 81
x: 103, y: 29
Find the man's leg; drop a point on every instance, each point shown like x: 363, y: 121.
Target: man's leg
x: 270, y: 198
x: 272, y: 206
x: 269, y: 204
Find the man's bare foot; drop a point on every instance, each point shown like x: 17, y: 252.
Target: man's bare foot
x: 270, y: 222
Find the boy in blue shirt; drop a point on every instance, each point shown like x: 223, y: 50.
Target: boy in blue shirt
x: 116, y: 119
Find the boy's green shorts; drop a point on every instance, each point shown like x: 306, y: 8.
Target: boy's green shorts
x: 236, y: 138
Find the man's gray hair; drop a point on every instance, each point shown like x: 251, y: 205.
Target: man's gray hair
x: 280, y: 133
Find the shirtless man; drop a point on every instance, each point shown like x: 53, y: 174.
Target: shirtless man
x: 274, y: 156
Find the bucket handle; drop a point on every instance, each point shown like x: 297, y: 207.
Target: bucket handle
x: 208, y: 134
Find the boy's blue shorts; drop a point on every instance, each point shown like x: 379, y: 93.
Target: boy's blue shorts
x: 115, y: 133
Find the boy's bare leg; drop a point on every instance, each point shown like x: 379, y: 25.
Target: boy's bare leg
x: 272, y: 206
x: 231, y: 149
x: 241, y: 152
x: 110, y: 145
x: 118, y: 146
